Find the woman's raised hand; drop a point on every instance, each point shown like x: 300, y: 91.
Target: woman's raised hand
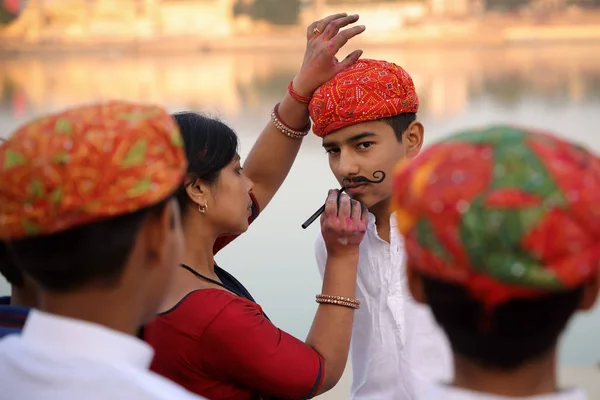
x: 324, y: 39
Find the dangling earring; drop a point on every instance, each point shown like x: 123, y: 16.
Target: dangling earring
x: 202, y: 208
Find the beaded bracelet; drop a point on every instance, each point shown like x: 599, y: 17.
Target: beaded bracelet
x: 289, y: 132
x: 341, y: 298
x: 296, y: 95
x: 338, y: 301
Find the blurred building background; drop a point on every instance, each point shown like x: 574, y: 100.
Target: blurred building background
x: 96, y: 22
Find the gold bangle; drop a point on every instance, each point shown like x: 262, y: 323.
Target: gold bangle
x: 338, y: 300
x: 289, y: 132
x: 337, y: 303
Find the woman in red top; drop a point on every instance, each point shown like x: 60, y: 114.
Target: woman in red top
x: 211, y: 337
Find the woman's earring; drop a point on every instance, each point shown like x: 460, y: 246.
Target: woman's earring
x: 202, y: 208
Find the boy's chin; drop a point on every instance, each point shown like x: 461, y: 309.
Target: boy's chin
x: 372, y: 202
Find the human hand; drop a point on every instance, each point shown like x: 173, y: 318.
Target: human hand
x: 324, y: 40
x: 343, y: 224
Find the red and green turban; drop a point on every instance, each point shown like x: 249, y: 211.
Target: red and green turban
x: 505, y: 212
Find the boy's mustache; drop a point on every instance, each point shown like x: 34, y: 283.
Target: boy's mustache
x: 378, y: 175
x: 345, y: 182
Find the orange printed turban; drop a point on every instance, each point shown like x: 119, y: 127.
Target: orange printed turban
x: 366, y: 91
x: 506, y: 212
x: 86, y: 164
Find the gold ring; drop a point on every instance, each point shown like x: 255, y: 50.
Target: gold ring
x: 317, y: 30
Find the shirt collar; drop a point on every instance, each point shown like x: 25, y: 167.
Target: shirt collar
x: 12, y: 316
x: 85, y: 340
x: 393, y: 222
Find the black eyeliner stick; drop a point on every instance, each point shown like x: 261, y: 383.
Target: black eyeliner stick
x: 317, y: 214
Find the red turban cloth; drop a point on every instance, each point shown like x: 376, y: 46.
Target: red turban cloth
x: 505, y: 212
x: 367, y: 91
x: 86, y: 164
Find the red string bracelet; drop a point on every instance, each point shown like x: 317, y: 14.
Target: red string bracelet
x: 300, y: 98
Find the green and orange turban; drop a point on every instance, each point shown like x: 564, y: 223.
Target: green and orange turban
x: 86, y: 164
x: 367, y: 91
x: 505, y: 212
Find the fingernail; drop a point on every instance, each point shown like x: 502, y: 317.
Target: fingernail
x: 362, y: 27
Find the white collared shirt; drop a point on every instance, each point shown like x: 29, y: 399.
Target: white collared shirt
x: 396, y: 345
x: 443, y: 392
x: 57, y: 358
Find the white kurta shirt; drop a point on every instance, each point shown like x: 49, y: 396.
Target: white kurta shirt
x: 441, y: 392
x: 396, y: 345
x: 57, y: 358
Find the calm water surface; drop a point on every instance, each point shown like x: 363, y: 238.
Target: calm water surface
x: 553, y: 88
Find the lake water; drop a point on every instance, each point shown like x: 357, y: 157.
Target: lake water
x: 556, y: 88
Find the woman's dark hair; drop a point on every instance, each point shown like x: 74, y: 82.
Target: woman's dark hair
x: 517, y: 331
x: 210, y: 145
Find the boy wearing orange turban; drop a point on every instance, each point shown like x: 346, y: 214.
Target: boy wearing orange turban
x: 366, y: 116
x: 502, y: 233
x: 87, y: 213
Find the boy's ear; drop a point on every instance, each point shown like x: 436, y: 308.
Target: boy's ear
x: 413, y: 138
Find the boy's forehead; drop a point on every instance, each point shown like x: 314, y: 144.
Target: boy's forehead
x: 358, y: 131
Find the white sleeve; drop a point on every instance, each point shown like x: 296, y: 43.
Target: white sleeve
x: 321, y: 254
